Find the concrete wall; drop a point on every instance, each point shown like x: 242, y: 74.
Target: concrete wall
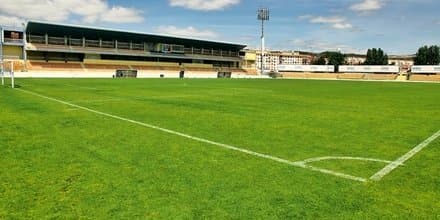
x: 93, y: 74
x: 427, y: 78
x: 308, y: 75
x: 200, y: 74
x: 352, y: 76
x: 158, y: 73
x: 368, y: 69
x: 64, y: 74
x: 141, y: 74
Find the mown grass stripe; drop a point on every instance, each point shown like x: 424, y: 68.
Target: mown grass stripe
x: 230, y: 147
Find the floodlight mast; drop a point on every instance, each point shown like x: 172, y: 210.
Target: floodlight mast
x: 2, y: 73
x: 263, y: 15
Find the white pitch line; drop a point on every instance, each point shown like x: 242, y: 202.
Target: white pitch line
x: 98, y: 100
x: 316, y: 159
x: 230, y: 147
x: 390, y: 167
x: 334, y: 173
x: 71, y: 109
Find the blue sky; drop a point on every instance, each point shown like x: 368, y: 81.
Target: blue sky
x: 398, y: 26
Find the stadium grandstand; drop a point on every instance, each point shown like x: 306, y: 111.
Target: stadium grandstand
x: 44, y: 49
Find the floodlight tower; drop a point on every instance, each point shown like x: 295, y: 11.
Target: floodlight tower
x: 1, y: 57
x: 263, y: 15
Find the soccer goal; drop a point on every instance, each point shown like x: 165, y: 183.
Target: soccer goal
x: 7, y: 70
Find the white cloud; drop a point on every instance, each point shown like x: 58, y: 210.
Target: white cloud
x: 342, y: 26
x: 122, y: 15
x: 89, y: 11
x: 368, y: 5
x: 186, y: 32
x: 203, y: 5
x: 335, y: 22
x: 10, y: 21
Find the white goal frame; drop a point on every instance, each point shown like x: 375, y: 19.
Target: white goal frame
x: 7, y: 67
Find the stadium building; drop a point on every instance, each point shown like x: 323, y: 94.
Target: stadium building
x: 252, y: 59
x: 42, y: 49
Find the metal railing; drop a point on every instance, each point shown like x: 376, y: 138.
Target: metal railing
x: 124, y: 45
x: 57, y: 40
x: 188, y: 50
x: 92, y: 43
x: 16, y: 41
x: 108, y: 44
x: 137, y: 46
x: 76, y: 42
x: 12, y: 57
x: 120, y: 45
x: 37, y: 39
x: 197, y: 51
x: 216, y: 52
x: 206, y: 52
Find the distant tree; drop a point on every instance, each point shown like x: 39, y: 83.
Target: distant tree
x: 376, y: 57
x: 335, y: 59
x: 428, y: 56
x: 434, y: 52
x: 320, y: 61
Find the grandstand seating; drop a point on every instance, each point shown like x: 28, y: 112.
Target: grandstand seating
x: 420, y: 77
x: 197, y: 65
x: 53, y: 66
x: 106, y: 67
x: 381, y: 76
x: 294, y: 75
x: 252, y: 72
x: 168, y: 68
x: 198, y: 69
x: 351, y: 76
x: 321, y: 75
x: 18, y: 65
x: 234, y: 70
x: 128, y: 62
x: 306, y: 75
x: 91, y: 67
x: 135, y: 65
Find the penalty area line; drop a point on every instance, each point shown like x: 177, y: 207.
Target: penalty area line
x: 395, y: 164
x: 230, y: 147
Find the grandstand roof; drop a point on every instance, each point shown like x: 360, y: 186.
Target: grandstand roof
x: 78, y: 31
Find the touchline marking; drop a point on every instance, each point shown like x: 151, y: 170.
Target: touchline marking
x: 390, y: 167
x: 330, y: 172
x: 230, y: 147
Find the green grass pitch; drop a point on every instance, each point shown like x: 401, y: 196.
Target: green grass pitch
x: 61, y: 161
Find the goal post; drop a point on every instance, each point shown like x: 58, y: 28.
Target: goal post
x: 7, y: 69
x: 2, y: 73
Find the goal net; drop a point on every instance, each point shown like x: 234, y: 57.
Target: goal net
x: 7, y: 71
